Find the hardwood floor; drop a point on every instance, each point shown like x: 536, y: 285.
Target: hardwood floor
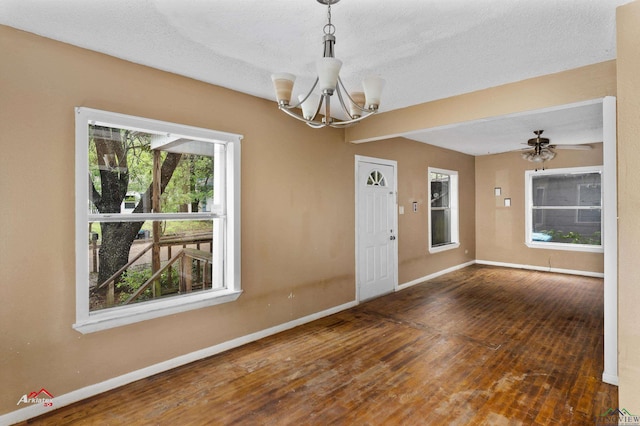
x: 480, y: 346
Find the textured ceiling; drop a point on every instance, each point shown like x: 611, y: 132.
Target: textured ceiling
x: 424, y: 49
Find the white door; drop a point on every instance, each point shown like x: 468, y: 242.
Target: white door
x: 376, y: 243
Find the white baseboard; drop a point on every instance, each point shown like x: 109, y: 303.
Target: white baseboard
x: 610, y: 379
x: 500, y: 264
x: 541, y: 268
x: 434, y: 275
x: 34, y: 410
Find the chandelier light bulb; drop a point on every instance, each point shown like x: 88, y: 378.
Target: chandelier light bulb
x: 328, y: 70
x: 283, y: 85
x: 309, y: 105
x: 373, y: 86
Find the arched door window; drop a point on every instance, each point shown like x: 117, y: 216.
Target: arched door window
x: 376, y: 178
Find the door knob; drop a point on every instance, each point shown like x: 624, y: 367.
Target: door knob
x: 393, y: 237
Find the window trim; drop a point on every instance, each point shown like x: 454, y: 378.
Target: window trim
x: 455, y: 222
x: 528, y: 211
x: 88, y: 322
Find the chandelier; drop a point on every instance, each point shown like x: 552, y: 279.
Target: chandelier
x: 355, y: 106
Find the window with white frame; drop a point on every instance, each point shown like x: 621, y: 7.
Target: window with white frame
x: 157, y: 218
x: 443, y: 210
x: 564, y: 208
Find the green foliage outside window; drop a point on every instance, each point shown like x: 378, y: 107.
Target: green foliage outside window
x: 572, y: 237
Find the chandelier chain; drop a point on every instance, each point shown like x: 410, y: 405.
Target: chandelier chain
x: 329, y: 28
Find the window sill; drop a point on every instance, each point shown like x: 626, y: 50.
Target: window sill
x: 444, y: 247
x: 116, y: 317
x: 566, y: 247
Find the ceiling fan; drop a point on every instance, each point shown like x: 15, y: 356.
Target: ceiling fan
x: 540, y: 150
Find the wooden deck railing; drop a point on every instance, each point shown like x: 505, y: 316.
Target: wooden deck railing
x: 186, y: 278
x: 186, y: 257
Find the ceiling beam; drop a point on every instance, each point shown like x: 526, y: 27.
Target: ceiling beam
x: 567, y: 87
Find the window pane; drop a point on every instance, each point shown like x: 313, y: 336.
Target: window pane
x: 440, y: 184
x: 538, y: 196
x: 571, y: 226
x: 589, y: 194
x: 567, y: 189
x: 120, y: 170
x: 190, y: 189
x: 183, y: 250
x: 121, y: 164
x: 589, y: 216
x: 440, y: 227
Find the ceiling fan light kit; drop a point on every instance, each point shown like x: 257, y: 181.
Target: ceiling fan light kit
x: 535, y: 157
x: 355, y: 106
x: 541, y: 150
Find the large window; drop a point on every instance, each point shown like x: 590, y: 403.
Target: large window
x: 564, y: 209
x: 443, y: 209
x: 157, y: 218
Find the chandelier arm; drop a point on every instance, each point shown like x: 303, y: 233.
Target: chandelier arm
x: 327, y: 108
x: 341, y: 84
x: 346, y: 123
x: 318, y: 109
x: 344, y: 107
x: 335, y: 124
x: 287, y: 110
x: 316, y: 125
x: 305, y: 98
x: 352, y: 120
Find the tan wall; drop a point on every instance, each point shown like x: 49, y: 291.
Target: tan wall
x: 414, y: 159
x: 501, y: 230
x: 628, y: 20
x: 298, y: 215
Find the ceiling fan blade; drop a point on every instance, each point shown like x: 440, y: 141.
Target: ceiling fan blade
x: 574, y: 147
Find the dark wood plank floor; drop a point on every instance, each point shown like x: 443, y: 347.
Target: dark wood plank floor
x: 483, y: 345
